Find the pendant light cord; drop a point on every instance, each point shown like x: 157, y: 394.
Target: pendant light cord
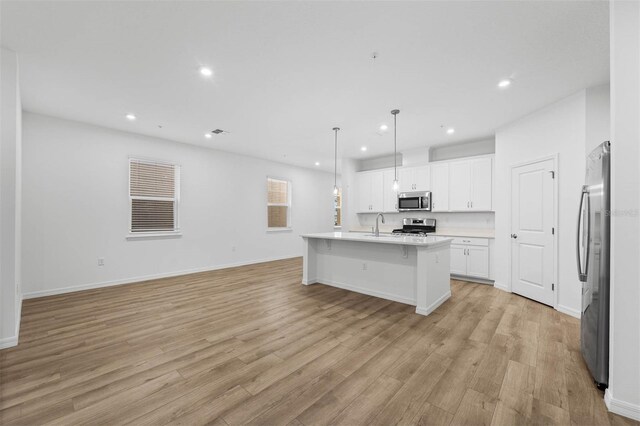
x: 335, y: 159
x: 395, y: 113
x: 395, y: 147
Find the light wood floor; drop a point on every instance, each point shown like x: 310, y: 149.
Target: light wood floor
x: 252, y: 345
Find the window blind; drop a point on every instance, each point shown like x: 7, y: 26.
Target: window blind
x: 277, y: 203
x: 153, y: 195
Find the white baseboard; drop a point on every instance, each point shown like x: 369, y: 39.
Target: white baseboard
x: 502, y: 287
x: 363, y: 290
x: 8, y: 342
x: 11, y: 341
x: 434, y: 305
x: 472, y: 279
x: 569, y: 311
x: 91, y: 286
x: 622, y: 408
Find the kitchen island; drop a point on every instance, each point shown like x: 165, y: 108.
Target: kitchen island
x: 407, y: 269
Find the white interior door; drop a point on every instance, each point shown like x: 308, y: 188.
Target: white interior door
x: 532, y: 230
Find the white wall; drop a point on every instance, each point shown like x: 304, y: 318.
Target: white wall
x: 557, y: 129
x: 10, y: 199
x: 462, y: 149
x: 623, y: 394
x: 598, y: 116
x: 76, y: 208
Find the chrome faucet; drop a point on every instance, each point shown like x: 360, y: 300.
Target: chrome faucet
x: 380, y: 215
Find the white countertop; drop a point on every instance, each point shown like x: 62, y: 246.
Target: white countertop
x: 448, y: 232
x: 430, y: 241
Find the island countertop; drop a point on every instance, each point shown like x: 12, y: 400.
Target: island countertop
x: 398, y: 239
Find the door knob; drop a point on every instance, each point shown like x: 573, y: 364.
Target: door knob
x: 514, y: 236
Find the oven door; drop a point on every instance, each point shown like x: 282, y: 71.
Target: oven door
x: 409, y: 203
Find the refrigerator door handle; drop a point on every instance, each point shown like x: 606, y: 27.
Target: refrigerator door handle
x: 583, y: 275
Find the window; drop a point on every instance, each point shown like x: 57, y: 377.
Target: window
x: 278, y: 203
x: 154, y: 194
x: 337, y: 207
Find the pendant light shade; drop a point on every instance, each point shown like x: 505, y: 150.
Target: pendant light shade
x: 396, y: 184
x: 335, y: 162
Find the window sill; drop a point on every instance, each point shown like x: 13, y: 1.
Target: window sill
x: 269, y: 230
x: 153, y: 235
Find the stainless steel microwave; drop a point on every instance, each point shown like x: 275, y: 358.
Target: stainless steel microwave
x: 411, y: 201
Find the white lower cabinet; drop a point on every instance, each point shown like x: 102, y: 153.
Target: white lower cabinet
x: 470, y: 257
x: 458, y: 259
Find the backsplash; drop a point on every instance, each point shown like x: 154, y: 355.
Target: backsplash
x: 482, y: 220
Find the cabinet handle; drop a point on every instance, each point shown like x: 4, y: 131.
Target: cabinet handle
x: 471, y: 202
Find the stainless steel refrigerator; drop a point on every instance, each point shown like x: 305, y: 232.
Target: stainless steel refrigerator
x: 593, y: 248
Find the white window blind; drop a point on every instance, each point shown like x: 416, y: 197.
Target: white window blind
x: 278, y: 203
x: 153, y: 192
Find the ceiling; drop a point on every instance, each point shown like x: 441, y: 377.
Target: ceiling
x: 286, y: 73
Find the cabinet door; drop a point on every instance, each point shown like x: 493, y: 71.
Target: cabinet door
x: 377, y: 197
x: 458, y: 260
x: 459, y: 185
x: 422, y: 178
x: 440, y: 187
x: 390, y: 202
x: 478, y: 261
x: 363, y: 192
x: 407, y: 179
x: 481, y: 184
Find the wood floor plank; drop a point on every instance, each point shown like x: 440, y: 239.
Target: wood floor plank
x: 252, y: 345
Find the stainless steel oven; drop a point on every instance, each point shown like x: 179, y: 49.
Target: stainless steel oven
x: 411, y: 201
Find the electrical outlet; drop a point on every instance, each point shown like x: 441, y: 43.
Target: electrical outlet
x: 364, y: 266
x: 233, y: 248
x: 101, y: 261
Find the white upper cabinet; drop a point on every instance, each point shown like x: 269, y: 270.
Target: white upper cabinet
x: 369, y: 196
x: 440, y: 187
x: 390, y: 197
x: 458, y: 185
x: 481, y: 184
x: 414, y: 179
x: 470, y: 184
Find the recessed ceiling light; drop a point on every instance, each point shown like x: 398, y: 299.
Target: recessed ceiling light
x: 504, y: 83
x: 206, y: 71
x: 384, y: 127
x: 130, y: 117
x: 363, y: 149
x: 317, y: 163
x: 208, y: 135
x: 451, y: 131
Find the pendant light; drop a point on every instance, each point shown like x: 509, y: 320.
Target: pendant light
x: 396, y: 184
x: 335, y: 162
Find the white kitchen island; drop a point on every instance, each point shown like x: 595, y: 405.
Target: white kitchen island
x: 406, y: 269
